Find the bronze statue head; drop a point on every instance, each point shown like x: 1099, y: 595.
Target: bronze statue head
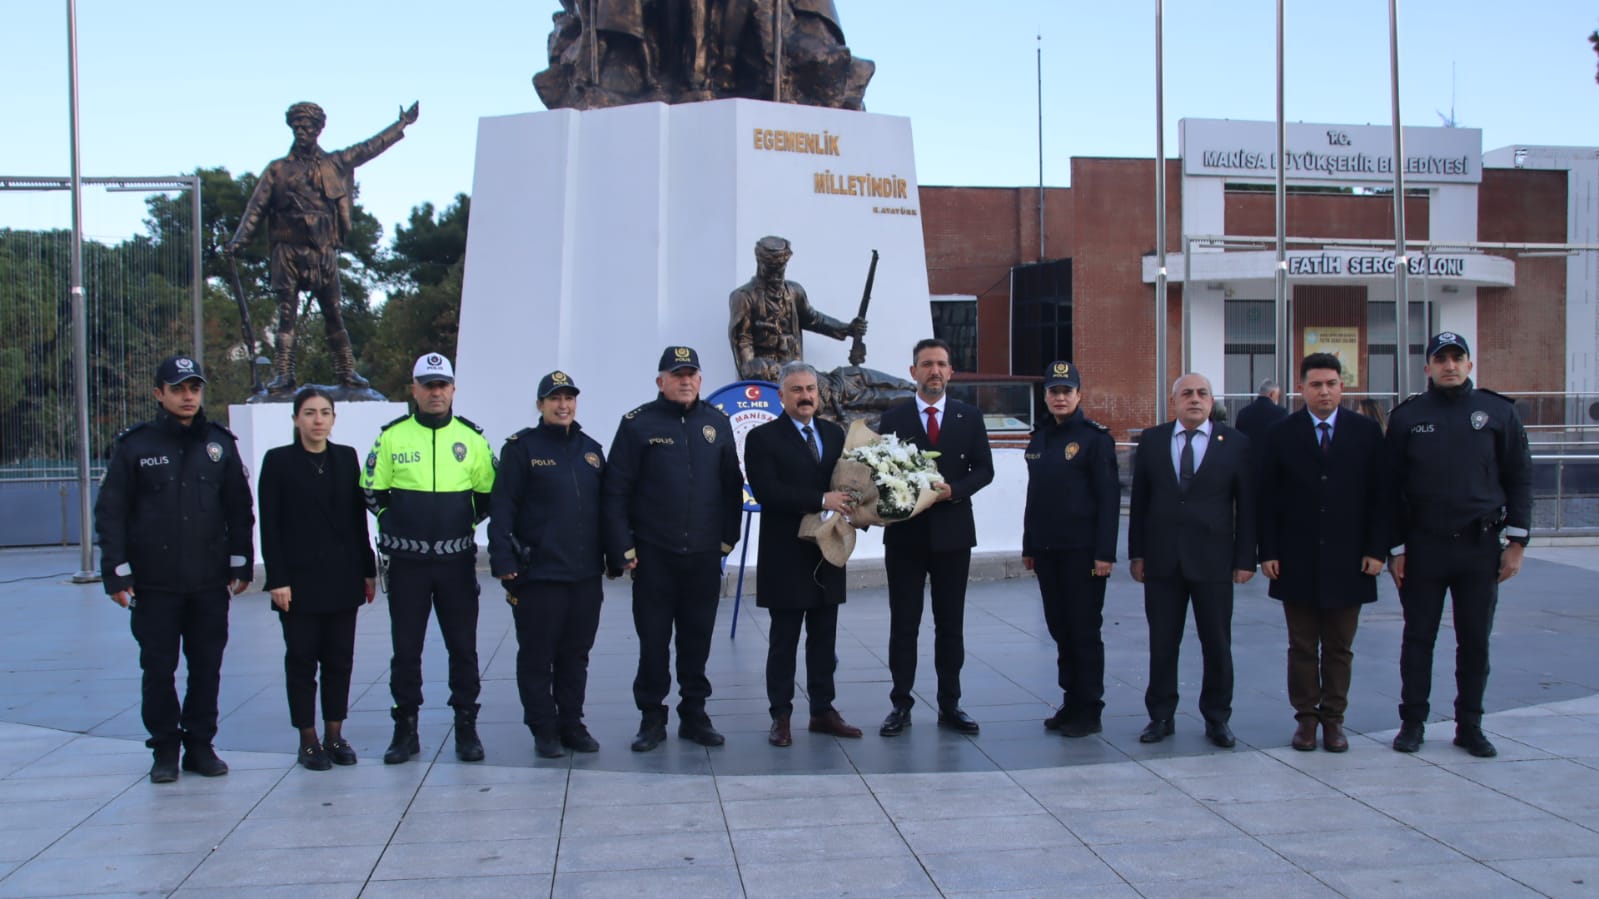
x: 306, y: 120
x: 771, y: 256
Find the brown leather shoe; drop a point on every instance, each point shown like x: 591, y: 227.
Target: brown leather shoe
x: 779, y: 735
x: 831, y: 722
x: 1305, y: 737
x: 1332, y: 737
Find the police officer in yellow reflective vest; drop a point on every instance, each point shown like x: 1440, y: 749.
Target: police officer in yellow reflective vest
x: 428, y: 479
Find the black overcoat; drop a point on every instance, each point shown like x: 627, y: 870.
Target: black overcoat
x: 314, y: 539
x: 790, y: 573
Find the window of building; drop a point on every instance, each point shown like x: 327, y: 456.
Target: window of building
x: 1251, y: 349
x: 1040, y: 315
x: 1380, y: 346
x: 955, y: 323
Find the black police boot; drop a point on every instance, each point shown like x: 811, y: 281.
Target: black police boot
x: 468, y: 748
x: 1081, y: 726
x: 697, y: 727
x: 1471, y: 739
x: 405, y: 743
x: 165, y: 768
x: 1410, y: 737
x: 201, y: 759
x: 651, y: 730
x: 547, y: 744
x: 578, y: 739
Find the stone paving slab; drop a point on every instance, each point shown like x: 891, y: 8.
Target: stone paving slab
x: 1014, y: 811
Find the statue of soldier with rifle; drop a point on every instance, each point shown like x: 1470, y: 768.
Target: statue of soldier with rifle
x: 307, y: 199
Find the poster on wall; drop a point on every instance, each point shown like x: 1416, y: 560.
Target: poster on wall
x: 1343, y: 342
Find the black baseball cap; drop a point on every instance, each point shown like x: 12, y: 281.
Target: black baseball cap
x: 1062, y: 374
x: 676, y: 357
x: 1444, y: 339
x: 177, y: 369
x: 556, y: 380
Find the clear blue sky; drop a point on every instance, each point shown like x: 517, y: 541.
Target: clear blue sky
x: 170, y: 86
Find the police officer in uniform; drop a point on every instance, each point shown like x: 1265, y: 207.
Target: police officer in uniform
x: 1463, y: 476
x: 544, y: 546
x: 1069, y: 542
x: 672, y: 500
x: 173, y: 521
x: 428, y: 479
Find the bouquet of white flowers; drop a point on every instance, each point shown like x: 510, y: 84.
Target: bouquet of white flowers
x: 890, y: 479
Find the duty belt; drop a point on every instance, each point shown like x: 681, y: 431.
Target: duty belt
x: 425, y: 547
x: 1471, y: 530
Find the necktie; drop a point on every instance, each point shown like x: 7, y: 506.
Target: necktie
x: 810, y: 441
x: 1185, y: 462
x: 932, y: 425
x: 1326, y: 436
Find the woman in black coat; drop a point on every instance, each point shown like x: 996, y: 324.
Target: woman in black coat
x: 319, y: 570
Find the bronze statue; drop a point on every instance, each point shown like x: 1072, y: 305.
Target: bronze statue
x: 307, y: 198
x: 614, y: 52
x: 767, y: 319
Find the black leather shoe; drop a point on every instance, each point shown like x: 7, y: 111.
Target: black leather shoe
x: 165, y: 768
x: 1472, y: 740
x: 405, y: 743
x: 1157, y: 730
x: 548, y: 747
x: 1081, y: 727
x: 315, y: 758
x: 1053, y: 722
x: 700, y: 731
x: 651, y: 730
x: 340, y: 751
x: 1220, y: 734
x: 957, y: 720
x: 896, y: 722
x: 201, y: 759
x: 1410, y: 737
x: 578, y: 739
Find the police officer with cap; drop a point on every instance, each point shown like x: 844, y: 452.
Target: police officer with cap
x: 672, y: 500
x: 1069, y: 542
x: 1463, y: 475
x: 428, y: 479
x: 174, y: 521
x: 544, y: 546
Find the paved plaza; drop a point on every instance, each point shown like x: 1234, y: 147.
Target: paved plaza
x: 1015, y: 811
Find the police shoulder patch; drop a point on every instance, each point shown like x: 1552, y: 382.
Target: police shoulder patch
x: 469, y: 423
x: 129, y: 430
x: 1096, y: 425
x: 395, y: 422
x: 633, y: 413
x: 224, y: 429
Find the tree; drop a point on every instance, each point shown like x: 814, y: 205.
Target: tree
x: 424, y: 269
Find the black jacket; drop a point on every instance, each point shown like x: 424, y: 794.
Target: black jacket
x: 314, y: 536
x: 1073, y: 494
x: 174, y: 511
x: 966, y: 462
x: 544, y: 511
x: 788, y: 483
x: 673, y: 481
x: 1459, y: 459
x: 1205, y: 534
x: 1258, y: 417
x: 1321, y: 512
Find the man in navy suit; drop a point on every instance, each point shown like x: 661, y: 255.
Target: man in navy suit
x: 1257, y: 418
x: 1191, y: 537
x: 790, y: 461
x: 936, y: 545
x: 1322, y: 542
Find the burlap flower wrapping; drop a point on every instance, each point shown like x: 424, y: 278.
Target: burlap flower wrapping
x: 835, y: 533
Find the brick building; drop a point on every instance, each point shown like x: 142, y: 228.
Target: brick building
x: 1530, y: 312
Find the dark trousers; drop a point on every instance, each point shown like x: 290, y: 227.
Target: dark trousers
x: 312, y: 640
x: 681, y: 592
x: 1074, y: 605
x: 1166, y: 603
x: 555, y: 627
x: 1468, y: 570
x: 821, y: 638
x: 1320, y: 658
x: 908, y: 570
x: 448, y: 588
x: 195, y: 624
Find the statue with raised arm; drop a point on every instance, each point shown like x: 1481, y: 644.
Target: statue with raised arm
x: 307, y: 199
x: 767, y: 319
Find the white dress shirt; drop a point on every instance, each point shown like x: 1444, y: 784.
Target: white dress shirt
x: 1201, y: 443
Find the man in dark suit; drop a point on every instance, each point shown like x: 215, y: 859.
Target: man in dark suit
x: 1257, y: 418
x: 789, y: 462
x: 1322, y: 542
x: 937, y: 544
x: 1191, y: 536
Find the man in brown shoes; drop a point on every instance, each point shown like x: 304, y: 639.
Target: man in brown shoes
x: 789, y: 463
x: 1322, y: 542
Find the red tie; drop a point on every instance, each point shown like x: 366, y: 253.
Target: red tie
x: 932, y: 425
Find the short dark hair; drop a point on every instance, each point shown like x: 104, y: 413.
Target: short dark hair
x: 929, y: 343
x: 1319, y: 360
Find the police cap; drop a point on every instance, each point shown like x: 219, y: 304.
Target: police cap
x: 556, y: 380
x: 177, y: 369
x: 432, y: 367
x: 1444, y: 339
x: 1062, y: 374
x: 676, y: 357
